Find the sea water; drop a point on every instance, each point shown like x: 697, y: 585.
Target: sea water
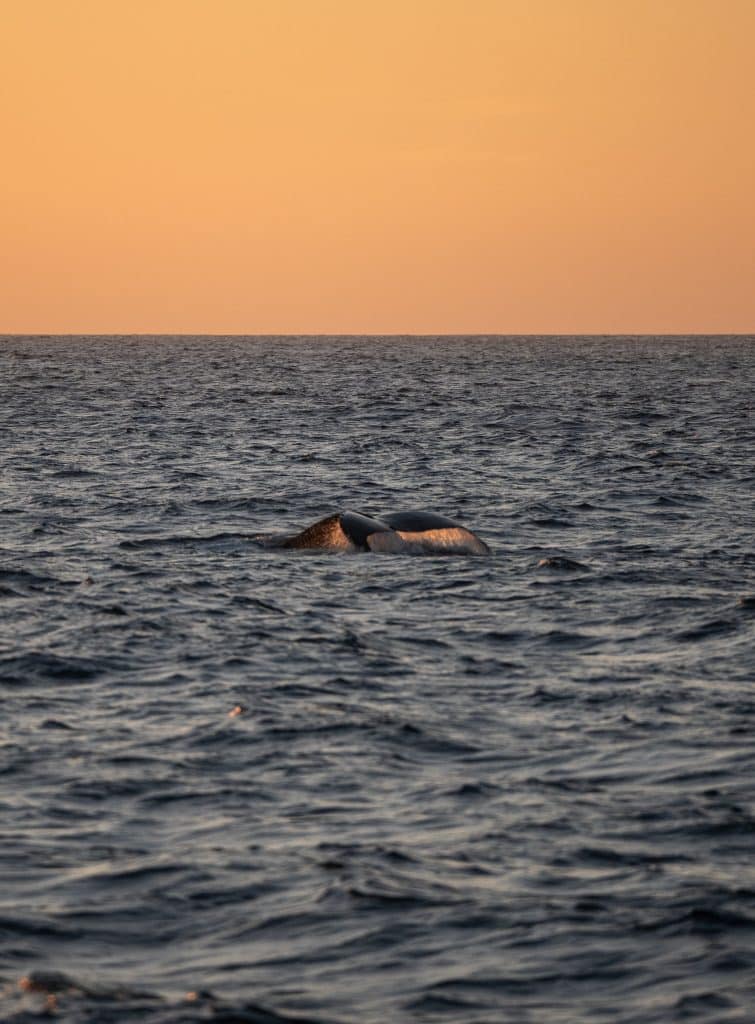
x: 247, y: 785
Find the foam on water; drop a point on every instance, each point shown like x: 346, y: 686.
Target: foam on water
x: 244, y: 784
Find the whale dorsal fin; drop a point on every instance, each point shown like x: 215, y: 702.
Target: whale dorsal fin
x: 359, y: 527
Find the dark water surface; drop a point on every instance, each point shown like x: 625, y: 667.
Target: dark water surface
x: 508, y: 789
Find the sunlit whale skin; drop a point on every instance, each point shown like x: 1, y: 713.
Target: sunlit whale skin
x: 435, y: 533
x: 344, y: 531
x: 396, y: 533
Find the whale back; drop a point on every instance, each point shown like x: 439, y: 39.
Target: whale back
x: 431, y: 532
x: 400, y: 532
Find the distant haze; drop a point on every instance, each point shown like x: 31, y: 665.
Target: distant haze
x: 284, y: 166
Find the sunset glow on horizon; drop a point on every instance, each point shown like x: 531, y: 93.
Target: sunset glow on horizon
x: 413, y: 166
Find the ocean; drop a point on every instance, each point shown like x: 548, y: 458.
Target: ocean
x: 241, y: 784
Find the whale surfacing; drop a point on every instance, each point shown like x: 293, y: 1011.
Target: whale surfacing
x: 395, y: 533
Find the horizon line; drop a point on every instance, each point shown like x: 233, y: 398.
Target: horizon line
x: 378, y: 334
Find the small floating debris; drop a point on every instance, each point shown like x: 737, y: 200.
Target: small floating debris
x: 562, y: 564
x: 50, y: 985
x: 45, y: 982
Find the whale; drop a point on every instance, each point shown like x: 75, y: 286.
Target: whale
x: 413, y: 532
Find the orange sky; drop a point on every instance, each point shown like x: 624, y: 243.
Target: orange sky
x: 285, y: 166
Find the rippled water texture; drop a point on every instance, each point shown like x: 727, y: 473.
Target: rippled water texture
x: 377, y: 788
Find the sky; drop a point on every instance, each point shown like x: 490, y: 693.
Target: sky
x: 355, y: 166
